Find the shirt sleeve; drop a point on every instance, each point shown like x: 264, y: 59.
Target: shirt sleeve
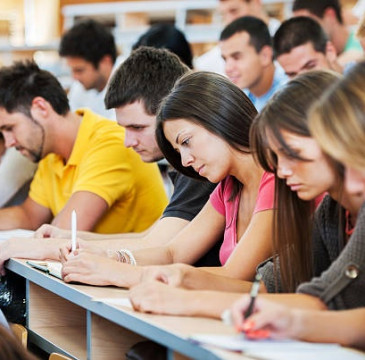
x: 342, y: 285
x: 188, y: 198
x: 265, y: 196
x: 106, y: 170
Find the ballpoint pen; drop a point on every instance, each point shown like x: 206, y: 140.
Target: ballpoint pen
x: 253, y: 294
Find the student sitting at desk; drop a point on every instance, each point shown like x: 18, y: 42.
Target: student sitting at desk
x: 135, y: 91
x: 337, y: 123
x: 339, y: 281
x: 83, y: 164
x: 213, y: 143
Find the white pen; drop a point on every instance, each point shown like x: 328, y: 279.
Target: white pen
x: 73, y: 230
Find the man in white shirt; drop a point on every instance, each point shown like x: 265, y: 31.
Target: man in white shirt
x: 231, y: 10
x: 90, y: 52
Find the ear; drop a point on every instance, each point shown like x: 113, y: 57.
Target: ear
x: 40, y: 107
x: 106, y: 60
x: 329, y: 13
x: 331, y: 56
x: 266, y: 55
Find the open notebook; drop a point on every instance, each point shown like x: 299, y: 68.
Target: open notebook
x: 50, y: 267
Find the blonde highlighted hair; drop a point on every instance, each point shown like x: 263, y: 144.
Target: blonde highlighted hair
x: 337, y: 121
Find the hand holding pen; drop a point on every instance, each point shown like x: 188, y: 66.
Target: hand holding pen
x: 243, y: 309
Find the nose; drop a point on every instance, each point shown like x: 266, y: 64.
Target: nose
x: 186, y: 158
x: 130, y: 140
x: 228, y: 66
x: 354, y: 181
x: 284, y: 169
x: 9, y: 139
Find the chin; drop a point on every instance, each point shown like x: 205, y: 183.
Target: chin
x: 306, y: 196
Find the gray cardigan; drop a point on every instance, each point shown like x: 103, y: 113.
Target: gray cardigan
x: 339, y: 279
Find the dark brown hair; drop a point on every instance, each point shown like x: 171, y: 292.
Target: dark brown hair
x: 213, y: 102
x: 292, y: 228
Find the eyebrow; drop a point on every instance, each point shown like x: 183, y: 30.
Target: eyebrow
x: 307, y: 63
x: 177, y: 137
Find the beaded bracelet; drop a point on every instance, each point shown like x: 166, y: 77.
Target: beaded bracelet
x: 126, y: 256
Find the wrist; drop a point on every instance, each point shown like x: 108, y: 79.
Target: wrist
x: 127, y: 275
x: 112, y: 254
x: 298, y: 323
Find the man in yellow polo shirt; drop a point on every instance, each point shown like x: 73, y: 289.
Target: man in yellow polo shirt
x: 83, y: 163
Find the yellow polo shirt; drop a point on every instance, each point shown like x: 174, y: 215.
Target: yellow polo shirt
x: 101, y: 164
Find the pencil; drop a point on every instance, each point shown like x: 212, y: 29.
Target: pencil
x: 73, y: 230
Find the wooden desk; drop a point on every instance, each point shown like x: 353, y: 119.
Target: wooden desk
x: 64, y: 318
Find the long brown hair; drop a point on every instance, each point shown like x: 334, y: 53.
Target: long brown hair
x: 213, y: 102
x: 292, y: 228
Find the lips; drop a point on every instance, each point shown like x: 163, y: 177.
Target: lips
x: 294, y: 187
x: 199, y: 169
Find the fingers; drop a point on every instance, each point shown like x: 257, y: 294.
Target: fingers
x: 167, y: 274
x: 43, y: 231
x: 148, y: 298
x: 237, y: 311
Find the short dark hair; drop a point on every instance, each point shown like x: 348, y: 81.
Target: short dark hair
x: 256, y: 28
x: 23, y: 81
x: 167, y: 36
x: 89, y: 40
x: 298, y: 31
x: 213, y: 102
x: 318, y: 7
x: 148, y: 74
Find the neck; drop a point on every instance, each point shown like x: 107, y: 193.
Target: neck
x: 246, y: 171
x: 339, y: 37
x: 352, y: 203
x: 104, y: 78
x: 265, y: 82
x: 63, y: 134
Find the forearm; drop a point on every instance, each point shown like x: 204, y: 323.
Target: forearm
x: 153, y: 256
x: 328, y: 326
x: 110, y: 240
x: 205, y: 278
x: 15, y: 218
x: 39, y: 249
x: 210, y: 303
x: 301, y: 301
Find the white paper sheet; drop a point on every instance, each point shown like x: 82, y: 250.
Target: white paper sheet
x: 115, y: 301
x: 279, y: 350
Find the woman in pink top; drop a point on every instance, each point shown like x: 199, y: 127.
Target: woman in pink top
x: 206, y: 120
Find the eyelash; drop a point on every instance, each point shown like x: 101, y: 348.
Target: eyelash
x: 185, y: 142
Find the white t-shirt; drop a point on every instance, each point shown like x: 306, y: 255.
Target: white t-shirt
x: 359, y: 9
x: 92, y: 99
x: 15, y: 171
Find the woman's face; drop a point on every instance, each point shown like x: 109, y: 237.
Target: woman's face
x: 208, y: 154
x: 355, y: 182
x: 308, y: 178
